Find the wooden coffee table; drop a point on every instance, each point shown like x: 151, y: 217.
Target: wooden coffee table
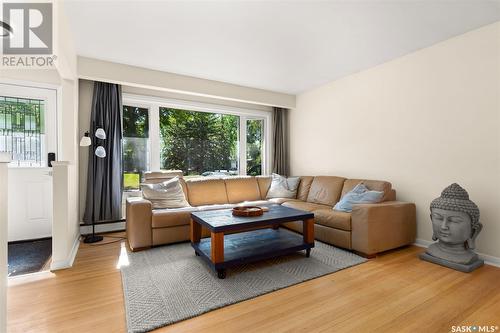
x: 238, y: 240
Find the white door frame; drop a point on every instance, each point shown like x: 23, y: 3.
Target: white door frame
x: 48, y: 93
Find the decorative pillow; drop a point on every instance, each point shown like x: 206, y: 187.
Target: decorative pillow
x: 358, y: 195
x: 168, y: 194
x: 282, y: 187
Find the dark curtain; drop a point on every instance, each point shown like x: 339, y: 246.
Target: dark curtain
x: 104, y: 178
x: 280, y: 141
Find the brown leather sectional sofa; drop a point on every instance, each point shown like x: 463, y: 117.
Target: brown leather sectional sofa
x: 369, y: 229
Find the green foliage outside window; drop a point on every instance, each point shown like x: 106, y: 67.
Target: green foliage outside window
x: 135, y: 122
x: 198, y: 142
x: 254, y: 146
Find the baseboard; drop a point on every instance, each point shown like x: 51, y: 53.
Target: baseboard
x: 87, y: 229
x: 68, y: 262
x: 422, y: 243
x: 489, y: 260
x: 28, y: 240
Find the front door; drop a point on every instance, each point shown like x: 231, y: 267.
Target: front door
x: 28, y: 133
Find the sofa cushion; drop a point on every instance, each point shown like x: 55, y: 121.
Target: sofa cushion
x: 155, y: 177
x: 307, y: 206
x: 254, y: 203
x: 264, y: 183
x: 304, y: 187
x: 163, y: 218
x: 360, y: 194
x: 333, y: 219
x: 206, y: 191
x: 279, y: 201
x: 374, y: 185
x: 168, y: 194
x: 242, y: 189
x: 325, y: 190
x: 214, y: 207
x: 283, y: 187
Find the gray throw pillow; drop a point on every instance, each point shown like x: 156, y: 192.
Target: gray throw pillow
x: 168, y: 194
x: 282, y: 187
x: 360, y: 194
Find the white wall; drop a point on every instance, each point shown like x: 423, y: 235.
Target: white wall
x: 422, y: 121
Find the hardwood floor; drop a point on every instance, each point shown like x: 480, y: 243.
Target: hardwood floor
x: 396, y: 292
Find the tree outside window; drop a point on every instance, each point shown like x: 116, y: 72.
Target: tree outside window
x: 134, y: 145
x: 199, y: 143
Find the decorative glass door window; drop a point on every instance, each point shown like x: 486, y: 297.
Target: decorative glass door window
x: 22, y: 130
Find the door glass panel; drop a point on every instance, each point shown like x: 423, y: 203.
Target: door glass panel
x: 199, y: 143
x: 22, y: 130
x: 255, y: 135
x: 135, y: 146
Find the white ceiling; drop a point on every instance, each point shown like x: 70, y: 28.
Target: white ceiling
x: 280, y: 46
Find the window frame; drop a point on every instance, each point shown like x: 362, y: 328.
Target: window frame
x: 153, y: 105
x: 142, y: 106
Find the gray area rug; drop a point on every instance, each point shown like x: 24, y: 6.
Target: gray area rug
x: 168, y: 284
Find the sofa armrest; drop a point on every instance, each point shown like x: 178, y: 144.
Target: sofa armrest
x: 382, y: 226
x: 139, y: 221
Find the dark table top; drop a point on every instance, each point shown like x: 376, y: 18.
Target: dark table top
x: 223, y: 220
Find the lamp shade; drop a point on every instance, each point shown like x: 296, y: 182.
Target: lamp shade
x: 100, y: 152
x: 85, y: 141
x: 100, y: 134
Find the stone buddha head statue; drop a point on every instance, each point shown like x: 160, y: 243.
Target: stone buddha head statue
x: 455, y: 224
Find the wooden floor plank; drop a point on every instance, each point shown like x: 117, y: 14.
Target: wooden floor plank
x: 396, y: 292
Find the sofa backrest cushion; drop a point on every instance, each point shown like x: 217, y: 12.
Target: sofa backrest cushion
x: 169, y: 194
x: 264, y: 184
x: 241, y: 189
x: 156, y: 177
x: 325, y: 190
x: 206, y: 191
x: 374, y: 185
x: 304, y: 187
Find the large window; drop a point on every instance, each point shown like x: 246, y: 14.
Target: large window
x: 202, y: 140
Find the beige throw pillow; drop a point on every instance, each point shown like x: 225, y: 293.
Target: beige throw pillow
x: 282, y: 187
x: 168, y: 194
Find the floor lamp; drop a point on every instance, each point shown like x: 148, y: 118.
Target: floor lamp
x: 100, y: 152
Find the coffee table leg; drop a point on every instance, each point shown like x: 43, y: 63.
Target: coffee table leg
x: 217, y: 251
x: 221, y: 273
x: 195, y: 231
x: 308, y: 233
x: 217, y: 247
